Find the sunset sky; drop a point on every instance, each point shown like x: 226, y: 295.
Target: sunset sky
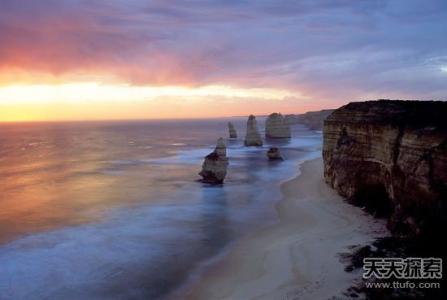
x: 134, y: 59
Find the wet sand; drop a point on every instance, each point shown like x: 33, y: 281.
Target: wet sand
x: 298, y: 257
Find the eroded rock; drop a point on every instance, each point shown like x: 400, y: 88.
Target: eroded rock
x: 276, y: 126
x: 252, y: 136
x: 214, y: 167
x: 232, y: 131
x: 274, y: 154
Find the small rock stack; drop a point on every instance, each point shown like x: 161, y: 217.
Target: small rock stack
x: 252, y: 137
x: 214, y: 167
x: 274, y: 154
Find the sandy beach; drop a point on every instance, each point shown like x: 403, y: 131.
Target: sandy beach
x: 298, y: 257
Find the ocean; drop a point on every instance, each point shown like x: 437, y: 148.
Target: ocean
x: 94, y: 210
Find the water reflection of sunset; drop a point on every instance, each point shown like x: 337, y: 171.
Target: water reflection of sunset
x: 60, y: 174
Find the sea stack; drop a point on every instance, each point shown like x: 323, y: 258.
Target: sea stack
x: 214, y: 167
x: 232, y: 131
x: 274, y: 154
x: 252, y: 136
x: 277, y: 127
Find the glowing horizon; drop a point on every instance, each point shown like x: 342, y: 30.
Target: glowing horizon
x: 96, y: 101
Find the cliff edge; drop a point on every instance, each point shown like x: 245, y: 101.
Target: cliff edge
x: 391, y: 157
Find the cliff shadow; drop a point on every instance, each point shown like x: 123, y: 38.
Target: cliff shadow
x: 375, y: 199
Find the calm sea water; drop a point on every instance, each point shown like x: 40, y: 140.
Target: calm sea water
x: 115, y: 210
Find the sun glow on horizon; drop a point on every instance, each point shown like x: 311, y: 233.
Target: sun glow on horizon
x: 92, y: 100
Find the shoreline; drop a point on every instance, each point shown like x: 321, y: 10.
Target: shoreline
x: 298, y: 257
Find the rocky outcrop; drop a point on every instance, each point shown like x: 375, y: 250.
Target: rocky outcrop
x: 292, y: 119
x: 252, y: 136
x: 214, y: 167
x: 232, y: 131
x: 274, y: 154
x: 276, y: 126
x: 314, y: 119
x: 391, y: 157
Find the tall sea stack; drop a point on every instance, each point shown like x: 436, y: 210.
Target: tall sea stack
x: 391, y: 157
x: 232, y: 131
x: 252, y: 136
x: 276, y: 126
x: 214, y: 167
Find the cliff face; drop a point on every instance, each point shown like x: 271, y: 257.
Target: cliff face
x: 391, y: 156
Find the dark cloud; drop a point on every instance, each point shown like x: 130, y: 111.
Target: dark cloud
x: 334, y: 48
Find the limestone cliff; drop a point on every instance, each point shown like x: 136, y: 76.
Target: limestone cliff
x: 391, y: 156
